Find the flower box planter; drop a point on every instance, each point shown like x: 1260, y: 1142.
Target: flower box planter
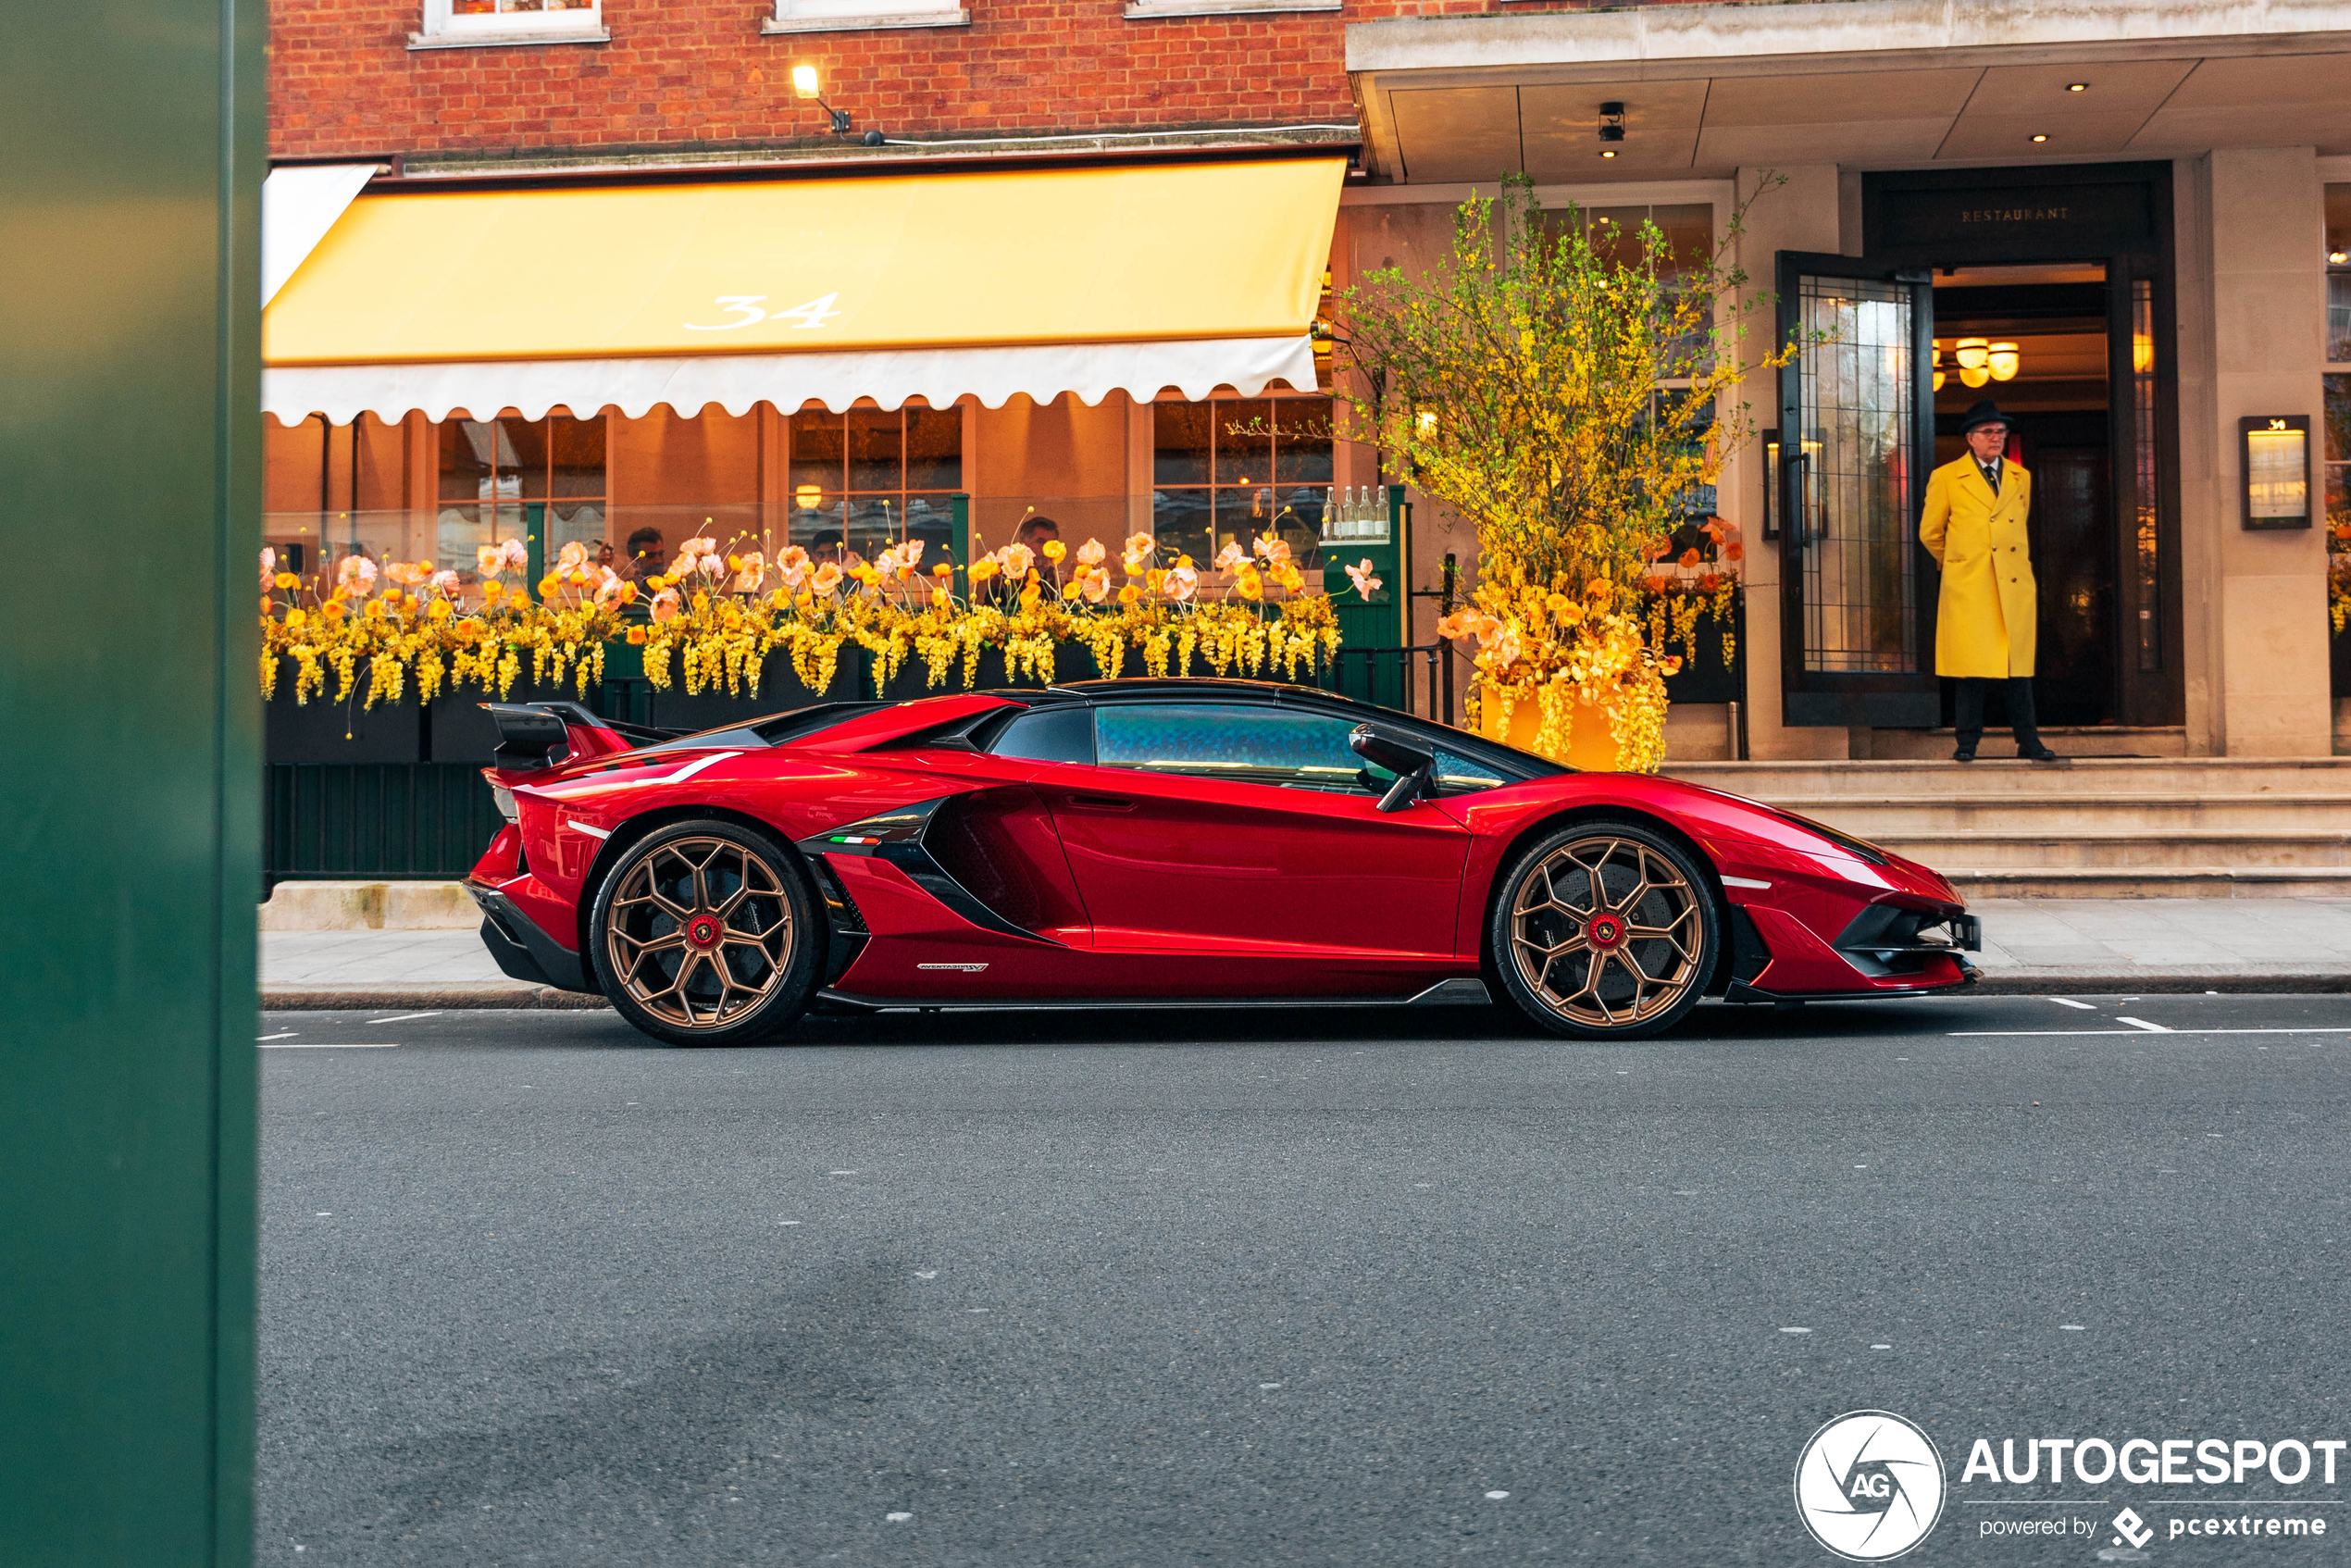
x: 781, y: 690
x: 1705, y: 676
x: 1072, y: 661
x: 325, y: 729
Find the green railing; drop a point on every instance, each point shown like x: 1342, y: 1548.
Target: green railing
x: 333, y: 821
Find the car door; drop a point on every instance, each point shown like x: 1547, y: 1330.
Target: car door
x: 1211, y: 826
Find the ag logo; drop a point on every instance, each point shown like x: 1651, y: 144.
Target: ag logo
x: 1869, y: 1485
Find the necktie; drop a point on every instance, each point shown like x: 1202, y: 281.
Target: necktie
x: 1992, y: 476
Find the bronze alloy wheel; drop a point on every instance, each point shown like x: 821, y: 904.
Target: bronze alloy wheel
x: 1609, y: 933
x: 700, y: 931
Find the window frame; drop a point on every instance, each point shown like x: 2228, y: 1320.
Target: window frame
x: 444, y: 28
x: 1212, y: 487
x: 847, y: 497
x: 858, y: 16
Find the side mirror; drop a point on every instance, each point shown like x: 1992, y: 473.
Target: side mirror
x: 1414, y: 764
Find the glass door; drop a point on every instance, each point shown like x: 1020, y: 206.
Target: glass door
x: 1856, y: 439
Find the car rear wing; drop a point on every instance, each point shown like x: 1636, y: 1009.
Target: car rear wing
x: 532, y: 735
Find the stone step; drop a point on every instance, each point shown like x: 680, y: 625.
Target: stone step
x: 2099, y: 776
x: 2126, y: 848
x: 2012, y: 814
x: 2174, y: 882
x: 2123, y: 740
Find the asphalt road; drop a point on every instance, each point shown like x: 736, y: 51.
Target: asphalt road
x: 1311, y: 1289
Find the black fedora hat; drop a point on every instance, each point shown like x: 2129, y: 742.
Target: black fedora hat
x: 1985, y: 413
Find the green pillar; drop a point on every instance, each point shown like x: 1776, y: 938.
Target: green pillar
x: 128, y: 341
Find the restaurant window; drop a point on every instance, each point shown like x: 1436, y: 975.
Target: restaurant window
x: 871, y: 478
x: 458, y: 22
x: 1240, y: 470
x: 521, y: 479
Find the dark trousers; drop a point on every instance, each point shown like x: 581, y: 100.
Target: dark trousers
x: 1968, y: 711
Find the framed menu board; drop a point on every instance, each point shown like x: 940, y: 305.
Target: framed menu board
x: 2276, y: 464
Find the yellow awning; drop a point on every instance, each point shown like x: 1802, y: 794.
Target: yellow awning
x: 807, y: 285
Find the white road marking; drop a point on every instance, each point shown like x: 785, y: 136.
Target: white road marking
x: 265, y: 1040
x: 2141, y: 1023
x: 2068, y: 1001
x: 926, y: 1273
x: 1796, y: 1331
x: 332, y: 1045
x: 1496, y: 1497
x: 898, y: 1518
x: 841, y: 1173
x: 403, y: 1017
x: 2018, y: 1034
x: 1881, y: 1346
x: 2071, y: 1328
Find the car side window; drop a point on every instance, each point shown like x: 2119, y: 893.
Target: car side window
x: 1254, y: 744
x: 1060, y: 733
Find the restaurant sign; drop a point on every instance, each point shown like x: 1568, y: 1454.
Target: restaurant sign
x: 2025, y: 218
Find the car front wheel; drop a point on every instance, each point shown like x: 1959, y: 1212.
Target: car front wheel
x: 706, y: 934
x: 1605, y: 930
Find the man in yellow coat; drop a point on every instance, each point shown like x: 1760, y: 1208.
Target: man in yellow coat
x: 1974, y: 526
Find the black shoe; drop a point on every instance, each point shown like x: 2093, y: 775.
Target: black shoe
x: 1965, y: 754
x: 2039, y: 753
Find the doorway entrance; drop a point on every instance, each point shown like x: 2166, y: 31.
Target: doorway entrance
x: 2048, y: 291
x: 2037, y: 336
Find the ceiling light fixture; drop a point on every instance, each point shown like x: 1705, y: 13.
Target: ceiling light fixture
x: 1971, y: 353
x: 2004, y: 360
x: 2041, y: 136
x: 2077, y: 87
x: 1608, y: 152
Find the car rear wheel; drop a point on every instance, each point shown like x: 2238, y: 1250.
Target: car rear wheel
x: 706, y: 934
x: 1605, y: 930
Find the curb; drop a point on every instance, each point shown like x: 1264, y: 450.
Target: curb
x: 548, y: 998
x: 369, y: 999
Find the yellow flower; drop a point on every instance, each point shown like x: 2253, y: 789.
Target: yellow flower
x: 287, y: 579
x: 1128, y: 594
x: 942, y: 571
x: 636, y: 635
x: 1055, y: 549
x: 294, y: 618
x: 440, y: 610
x: 547, y: 585
x: 267, y: 603
x: 492, y: 589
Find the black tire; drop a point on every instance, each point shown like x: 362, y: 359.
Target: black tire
x: 1621, y: 946
x: 707, y: 933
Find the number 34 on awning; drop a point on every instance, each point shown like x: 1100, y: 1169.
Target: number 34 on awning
x: 746, y: 307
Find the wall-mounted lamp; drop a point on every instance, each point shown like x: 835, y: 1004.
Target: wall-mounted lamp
x: 2337, y: 258
x: 806, y: 84
x: 2003, y: 360
x: 1612, y: 125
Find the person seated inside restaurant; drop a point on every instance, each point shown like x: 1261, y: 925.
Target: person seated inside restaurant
x: 826, y: 546
x: 1037, y: 532
x: 648, y: 554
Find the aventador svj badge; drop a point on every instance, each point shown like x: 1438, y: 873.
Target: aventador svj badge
x: 959, y: 968
x: 1869, y: 1485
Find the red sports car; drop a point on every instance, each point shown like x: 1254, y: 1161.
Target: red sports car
x: 1163, y: 843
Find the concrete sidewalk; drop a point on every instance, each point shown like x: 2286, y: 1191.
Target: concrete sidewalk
x: 2032, y: 945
